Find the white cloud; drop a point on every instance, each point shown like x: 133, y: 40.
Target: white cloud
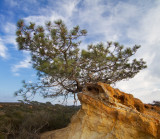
x: 154, y: 95
x: 9, y: 28
x: 3, y: 50
x: 62, y: 10
x: 9, y: 37
x: 146, y: 32
x: 106, y: 21
x: 22, y: 64
x: 67, y: 8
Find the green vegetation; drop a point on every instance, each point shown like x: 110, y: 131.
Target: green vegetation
x: 27, y: 121
x: 63, y: 68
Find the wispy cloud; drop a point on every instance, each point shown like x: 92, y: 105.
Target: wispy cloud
x: 146, y: 33
x: 8, y: 37
x: 9, y: 28
x: 11, y: 3
x: 3, y: 50
x: 21, y: 65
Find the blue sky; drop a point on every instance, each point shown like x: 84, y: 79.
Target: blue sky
x: 126, y: 21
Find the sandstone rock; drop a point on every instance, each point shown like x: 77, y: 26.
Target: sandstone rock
x: 108, y: 113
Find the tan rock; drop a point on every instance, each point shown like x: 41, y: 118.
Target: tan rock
x: 108, y: 113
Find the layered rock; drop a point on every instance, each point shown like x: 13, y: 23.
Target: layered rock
x: 108, y: 113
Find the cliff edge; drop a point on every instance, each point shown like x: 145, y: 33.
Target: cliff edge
x: 108, y: 113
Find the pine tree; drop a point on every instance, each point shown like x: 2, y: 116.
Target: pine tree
x: 63, y: 68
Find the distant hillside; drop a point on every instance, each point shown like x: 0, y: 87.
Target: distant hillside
x: 19, y: 120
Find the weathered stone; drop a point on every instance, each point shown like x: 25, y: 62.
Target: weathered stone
x: 108, y: 113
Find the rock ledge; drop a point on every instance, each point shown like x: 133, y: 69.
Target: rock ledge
x: 108, y: 113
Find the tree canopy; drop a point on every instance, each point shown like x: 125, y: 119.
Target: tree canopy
x: 64, y: 68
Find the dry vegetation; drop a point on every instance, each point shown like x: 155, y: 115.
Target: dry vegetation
x: 20, y: 120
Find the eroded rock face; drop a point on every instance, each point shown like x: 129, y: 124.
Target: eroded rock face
x: 108, y: 113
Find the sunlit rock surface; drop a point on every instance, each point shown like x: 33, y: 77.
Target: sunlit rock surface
x: 108, y: 113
